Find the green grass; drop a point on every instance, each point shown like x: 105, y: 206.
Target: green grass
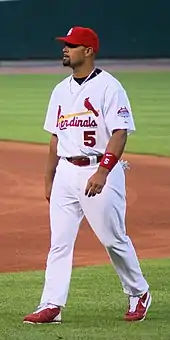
x: 24, y: 100
x: 23, y: 104
x: 95, y: 306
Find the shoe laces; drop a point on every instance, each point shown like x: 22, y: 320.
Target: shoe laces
x: 133, y: 301
x: 45, y: 306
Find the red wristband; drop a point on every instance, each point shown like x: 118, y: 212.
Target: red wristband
x: 109, y: 160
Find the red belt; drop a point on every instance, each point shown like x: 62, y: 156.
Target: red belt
x: 84, y: 161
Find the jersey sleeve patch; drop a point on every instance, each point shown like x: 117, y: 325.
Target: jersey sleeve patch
x: 123, y: 112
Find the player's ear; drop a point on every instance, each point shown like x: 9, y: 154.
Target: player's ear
x: 88, y: 51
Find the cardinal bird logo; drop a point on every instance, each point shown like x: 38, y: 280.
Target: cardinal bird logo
x: 90, y: 107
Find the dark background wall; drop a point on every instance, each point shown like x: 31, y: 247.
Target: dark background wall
x: 126, y: 28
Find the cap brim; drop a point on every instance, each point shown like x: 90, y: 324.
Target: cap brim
x: 69, y: 39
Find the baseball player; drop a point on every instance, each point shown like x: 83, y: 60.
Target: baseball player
x: 89, y: 118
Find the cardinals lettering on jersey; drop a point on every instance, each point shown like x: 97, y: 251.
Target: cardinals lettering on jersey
x: 63, y: 122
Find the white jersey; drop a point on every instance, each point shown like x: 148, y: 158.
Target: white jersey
x: 84, y: 116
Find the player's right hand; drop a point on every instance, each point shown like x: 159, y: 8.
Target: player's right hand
x: 95, y: 183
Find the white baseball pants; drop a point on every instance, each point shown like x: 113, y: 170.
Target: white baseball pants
x: 105, y: 213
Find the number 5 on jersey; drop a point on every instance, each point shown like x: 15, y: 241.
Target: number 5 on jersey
x: 90, y: 138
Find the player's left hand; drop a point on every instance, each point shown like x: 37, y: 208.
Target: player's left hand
x: 95, y: 184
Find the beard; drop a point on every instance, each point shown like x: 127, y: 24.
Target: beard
x: 66, y: 61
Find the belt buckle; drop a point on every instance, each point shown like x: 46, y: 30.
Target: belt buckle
x: 93, y: 160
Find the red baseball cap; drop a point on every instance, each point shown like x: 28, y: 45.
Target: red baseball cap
x: 82, y: 36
